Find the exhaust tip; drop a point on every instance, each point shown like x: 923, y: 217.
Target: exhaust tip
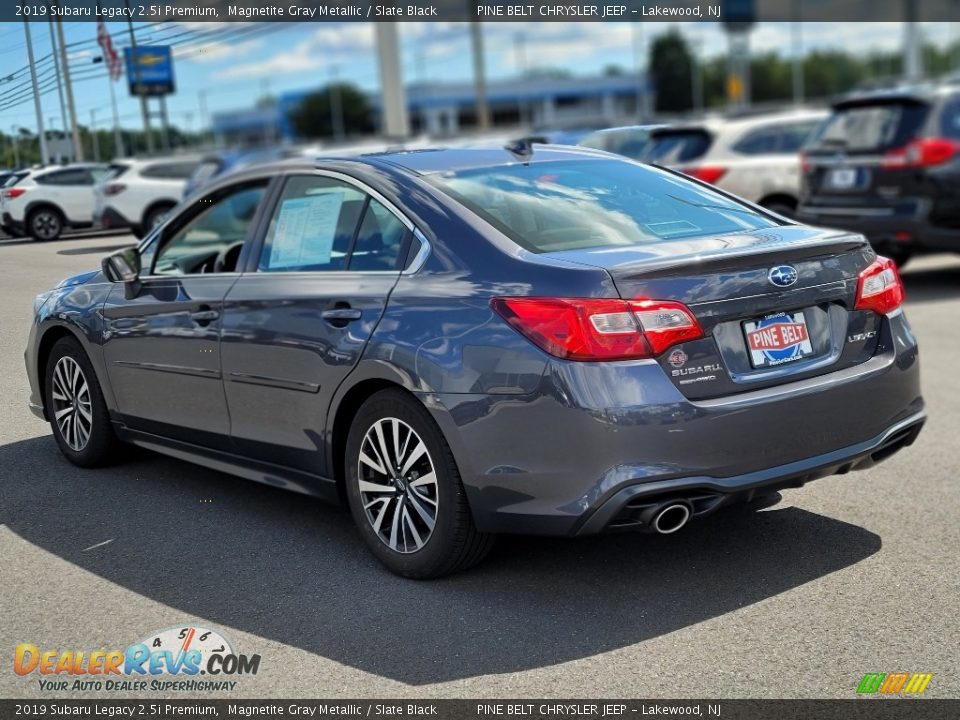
x: 671, y: 518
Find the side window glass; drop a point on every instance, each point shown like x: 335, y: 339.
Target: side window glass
x: 211, y: 240
x: 313, y: 225
x: 794, y: 136
x: 379, y: 241
x: 950, y: 119
x: 758, y: 143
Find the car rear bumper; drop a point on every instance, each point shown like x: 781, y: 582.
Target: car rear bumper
x: 11, y: 226
x: 600, y: 433
x: 885, y: 227
x: 107, y: 218
x: 625, y: 509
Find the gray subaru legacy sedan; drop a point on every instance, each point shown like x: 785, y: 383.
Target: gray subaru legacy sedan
x: 461, y: 343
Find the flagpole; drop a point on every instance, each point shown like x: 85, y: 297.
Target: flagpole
x: 118, y: 151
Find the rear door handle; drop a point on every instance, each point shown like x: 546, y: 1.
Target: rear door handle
x: 341, y: 314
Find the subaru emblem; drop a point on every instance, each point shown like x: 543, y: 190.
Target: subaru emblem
x: 783, y: 275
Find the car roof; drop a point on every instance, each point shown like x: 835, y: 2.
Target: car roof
x: 741, y: 123
x: 445, y: 159
x: 923, y: 93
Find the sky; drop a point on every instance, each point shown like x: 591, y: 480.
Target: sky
x: 231, y: 65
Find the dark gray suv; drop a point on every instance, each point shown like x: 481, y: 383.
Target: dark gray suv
x: 460, y: 343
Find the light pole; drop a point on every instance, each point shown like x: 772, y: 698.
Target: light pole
x: 336, y: 106
x: 56, y: 71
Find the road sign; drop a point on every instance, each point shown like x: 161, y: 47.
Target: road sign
x: 152, y: 73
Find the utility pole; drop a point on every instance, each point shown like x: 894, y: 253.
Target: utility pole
x: 136, y: 69
x: 93, y: 135
x: 56, y: 69
x: 336, y: 106
x: 71, y: 109
x: 202, y: 107
x: 479, y: 75
x: 639, y: 68
x: 14, y: 136
x: 44, y: 155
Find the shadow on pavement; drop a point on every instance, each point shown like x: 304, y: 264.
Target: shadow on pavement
x: 292, y: 569
x: 931, y: 284
x: 102, y: 249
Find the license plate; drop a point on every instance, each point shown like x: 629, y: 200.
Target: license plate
x: 777, y: 339
x: 842, y: 178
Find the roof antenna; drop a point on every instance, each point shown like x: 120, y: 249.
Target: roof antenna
x: 521, y: 149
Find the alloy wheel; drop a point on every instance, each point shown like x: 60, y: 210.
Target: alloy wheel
x: 72, y: 407
x: 46, y: 225
x: 398, y: 485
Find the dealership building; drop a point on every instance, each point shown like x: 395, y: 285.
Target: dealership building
x: 441, y: 109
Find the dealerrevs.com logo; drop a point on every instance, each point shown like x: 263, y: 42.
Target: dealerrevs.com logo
x: 170, y: 660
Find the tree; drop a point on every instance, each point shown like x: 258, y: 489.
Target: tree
x: 670, y: 67
x: 313, y: 118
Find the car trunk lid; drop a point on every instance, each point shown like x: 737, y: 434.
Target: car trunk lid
x: 775, y: 305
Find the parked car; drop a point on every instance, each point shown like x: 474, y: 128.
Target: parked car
x: 139, y: 193
x: 887, y: 164
x: 48, y: 200
x: 630, y: 140
x: 754, y: 157
x: 216, y: 164
x: 461, y: 345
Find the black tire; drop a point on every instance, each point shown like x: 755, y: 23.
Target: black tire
x: 453, y: 543
x: 45, y: 224
x: 101, y: 445
x: 153, y: 217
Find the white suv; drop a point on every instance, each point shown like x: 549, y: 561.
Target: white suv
x: 45, y: 201
x: 754, y: 157
x: 138, y: 194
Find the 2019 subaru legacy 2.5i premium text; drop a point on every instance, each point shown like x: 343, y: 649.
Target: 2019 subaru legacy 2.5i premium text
x: 462, y: 343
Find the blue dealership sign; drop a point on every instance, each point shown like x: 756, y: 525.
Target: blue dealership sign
x: 149, y: 70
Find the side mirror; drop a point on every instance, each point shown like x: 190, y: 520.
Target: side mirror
x: 124, y: 266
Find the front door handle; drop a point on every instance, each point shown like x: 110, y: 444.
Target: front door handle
x: 204, y: 317
x: 341, y: 314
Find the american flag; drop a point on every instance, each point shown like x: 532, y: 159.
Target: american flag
x: 110, y: 56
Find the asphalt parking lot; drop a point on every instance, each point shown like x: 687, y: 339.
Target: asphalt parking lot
x: 848, y: 575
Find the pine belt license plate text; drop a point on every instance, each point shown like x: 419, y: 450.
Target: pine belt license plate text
x: 777, y: 339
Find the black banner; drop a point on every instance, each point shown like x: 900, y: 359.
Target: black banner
x: 727, y: 11
x: 854, y: 709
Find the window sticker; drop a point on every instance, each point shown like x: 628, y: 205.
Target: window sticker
x: 306, y: 228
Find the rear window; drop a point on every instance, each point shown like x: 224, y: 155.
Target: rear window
x: 784, y: 138
x: 573, y: 204
x: 14, y: 179
x: 630, y: 143
x: 872, y: 128
x: 677, y: 146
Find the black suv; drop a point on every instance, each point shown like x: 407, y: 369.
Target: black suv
x: 887, y: 164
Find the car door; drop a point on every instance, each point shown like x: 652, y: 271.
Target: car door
x: 296, y: 324
x: 161, y: 346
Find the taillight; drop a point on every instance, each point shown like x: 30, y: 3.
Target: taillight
x: 14, y: 192
x: 113, y: 189
x: 804, y: 162
x: 599, y: 329
x: 706, y: 173
x: 879, y: 287
x: 924, y: 152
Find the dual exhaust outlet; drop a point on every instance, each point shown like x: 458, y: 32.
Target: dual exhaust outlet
x: 667, y: 517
